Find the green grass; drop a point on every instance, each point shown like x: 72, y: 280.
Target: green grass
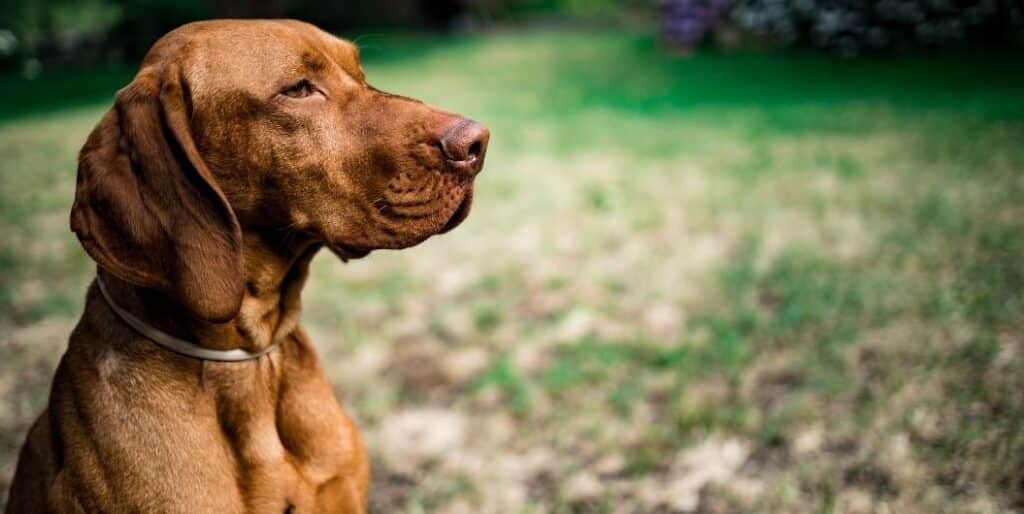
x: 817, y: 261
x: 59, y: 89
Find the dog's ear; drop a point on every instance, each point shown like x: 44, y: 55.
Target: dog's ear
x: 148, y: 210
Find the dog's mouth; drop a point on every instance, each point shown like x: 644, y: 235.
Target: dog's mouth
x: 347, y: 251
x: 460, y: 214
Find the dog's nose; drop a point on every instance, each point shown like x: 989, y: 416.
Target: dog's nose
x: 465, y: 143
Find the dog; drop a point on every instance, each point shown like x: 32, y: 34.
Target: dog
x: 238, y: 151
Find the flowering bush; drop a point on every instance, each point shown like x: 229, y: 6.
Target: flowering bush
x: 685, y: 23
x: 848, y: 26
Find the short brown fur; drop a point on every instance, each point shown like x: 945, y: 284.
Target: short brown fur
x: 238, y: 151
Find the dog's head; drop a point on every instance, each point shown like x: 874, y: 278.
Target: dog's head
x: 233, y: 127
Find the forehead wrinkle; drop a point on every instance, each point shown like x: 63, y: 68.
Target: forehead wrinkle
x: 313, y: 62
x: 346, y: 57
x: 316, y: 56
x: 353, y: 57
x: 348, y: 68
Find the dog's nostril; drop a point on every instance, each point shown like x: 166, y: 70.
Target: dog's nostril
x: 464, y: 141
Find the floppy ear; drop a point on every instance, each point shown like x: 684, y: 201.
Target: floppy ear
x: 146, y: 207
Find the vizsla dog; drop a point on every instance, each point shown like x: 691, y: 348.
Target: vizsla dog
x: 239, y: 150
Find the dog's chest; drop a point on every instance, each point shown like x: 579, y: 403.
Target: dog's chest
x: 290, y: 439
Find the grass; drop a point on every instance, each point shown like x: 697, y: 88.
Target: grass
x: 809, y: 268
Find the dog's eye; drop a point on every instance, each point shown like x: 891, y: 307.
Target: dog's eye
x: 301, y: 89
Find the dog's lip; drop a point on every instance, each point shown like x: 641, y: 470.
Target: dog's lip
x: 347, y: 252
x: 460, y: 214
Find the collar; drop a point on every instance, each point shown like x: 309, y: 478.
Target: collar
x: 174, y: 344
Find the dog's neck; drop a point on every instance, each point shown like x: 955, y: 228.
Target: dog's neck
x: 275, y: 270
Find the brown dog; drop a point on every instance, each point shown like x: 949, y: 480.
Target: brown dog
x: 239, y: 150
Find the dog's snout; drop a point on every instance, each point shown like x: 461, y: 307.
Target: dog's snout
x: 465, y: 143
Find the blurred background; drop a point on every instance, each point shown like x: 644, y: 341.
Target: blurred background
x: 726, y: 256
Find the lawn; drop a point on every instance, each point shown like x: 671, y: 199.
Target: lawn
x: 749, y: 282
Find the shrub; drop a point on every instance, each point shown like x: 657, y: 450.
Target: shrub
x: 849, y: 27
x: 686, y: 23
